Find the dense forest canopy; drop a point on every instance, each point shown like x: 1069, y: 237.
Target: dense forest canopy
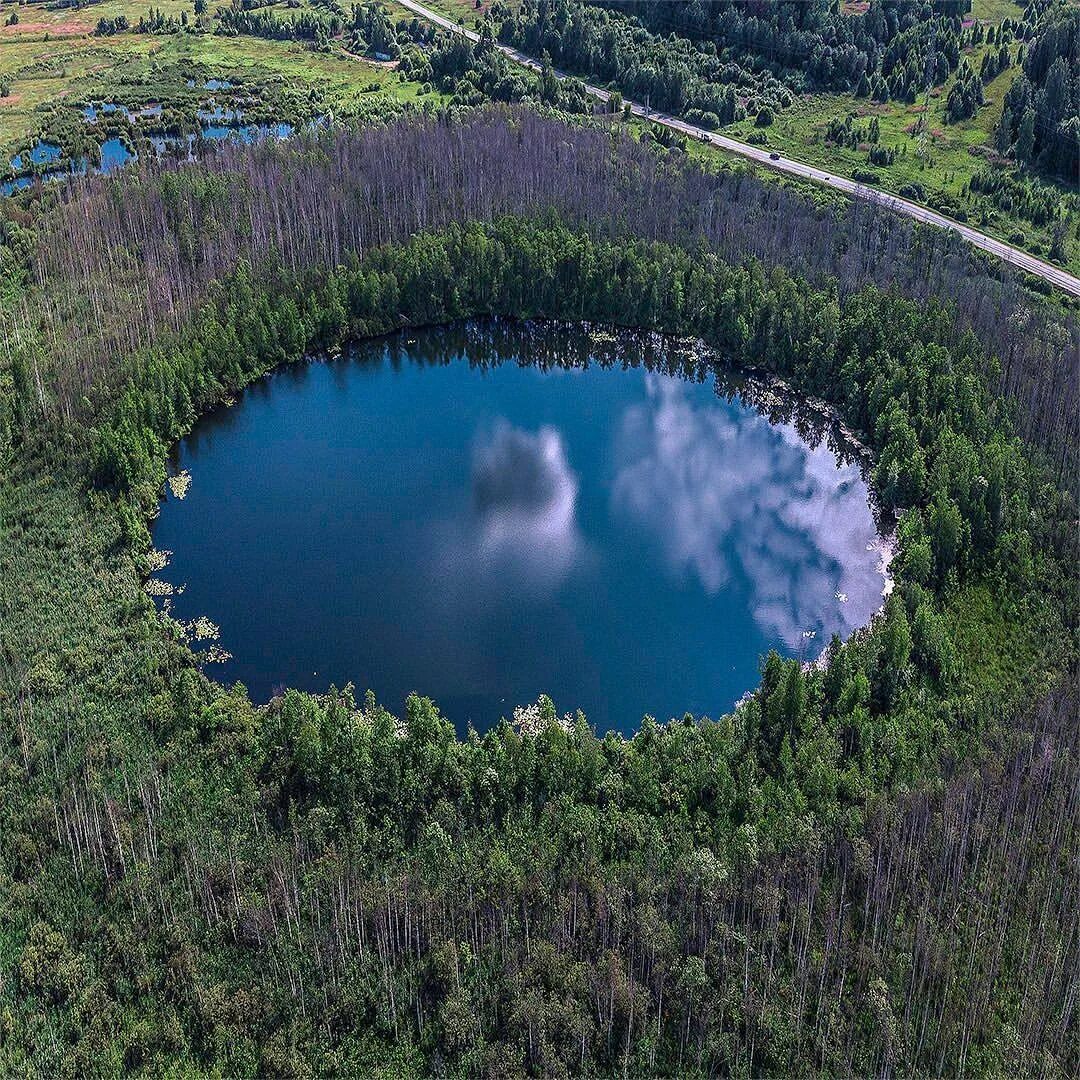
x: 838, y: 877
x: 706, y: 57
x: 1040, y: 121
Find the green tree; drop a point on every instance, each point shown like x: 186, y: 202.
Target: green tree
x: 895, y: 652
x: 1025, y: 139
x: 947, y: 534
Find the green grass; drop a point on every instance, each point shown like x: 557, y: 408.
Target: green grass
x: 994, y: 11
x: 43, y: 72
x: 342, y: 77
x: 450, y: 9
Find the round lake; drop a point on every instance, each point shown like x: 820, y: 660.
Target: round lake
x: 489, y: 512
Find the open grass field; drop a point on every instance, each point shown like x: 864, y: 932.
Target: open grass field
x: 993, y: 11
x: 44, y: 70
x: 464, y: 10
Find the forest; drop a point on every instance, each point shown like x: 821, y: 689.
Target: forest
x: 839, y: 877
x: 773, y: 73
x: 1040, y: 122
x: 114, y: 283
x: 694, y: 55
x: 934, y: 75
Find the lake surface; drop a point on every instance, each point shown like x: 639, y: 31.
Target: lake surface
x: 490, y: 512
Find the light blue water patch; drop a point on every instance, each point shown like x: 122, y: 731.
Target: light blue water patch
x: 217, y: 131
x: 163, y: 143
x: 41, y: 153
x: 92, y: 111
x: 21, y: 183
x: 114, y: 155
x: 9, y: 187
x: 44, y: 153
x: 249, y: 133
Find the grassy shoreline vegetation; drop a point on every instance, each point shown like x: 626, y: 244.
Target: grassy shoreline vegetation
x: 867, y: 868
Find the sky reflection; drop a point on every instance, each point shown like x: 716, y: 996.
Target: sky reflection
x: 524, y: 503
x: 733, y: 500
x: 514, y: 530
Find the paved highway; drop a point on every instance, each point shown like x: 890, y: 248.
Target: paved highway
x: 1054, y: 274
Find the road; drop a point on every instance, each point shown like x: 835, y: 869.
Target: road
x: 1047, y: 271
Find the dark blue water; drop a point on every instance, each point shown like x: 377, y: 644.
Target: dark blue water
x: 625, y: 541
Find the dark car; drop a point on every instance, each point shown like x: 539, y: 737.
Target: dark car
x: 775, y: 156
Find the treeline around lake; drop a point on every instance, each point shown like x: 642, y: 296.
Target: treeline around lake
x: 868, y: 867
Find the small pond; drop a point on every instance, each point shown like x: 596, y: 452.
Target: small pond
x: 488, y: 512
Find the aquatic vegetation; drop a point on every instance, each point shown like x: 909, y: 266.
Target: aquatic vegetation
x: 157, y: 560
x: 202, y: 629
x: 180, y: 483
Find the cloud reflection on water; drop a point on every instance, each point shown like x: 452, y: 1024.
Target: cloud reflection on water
x: 732, y: 498
x: 524, y: 503
x: 521, y: 529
